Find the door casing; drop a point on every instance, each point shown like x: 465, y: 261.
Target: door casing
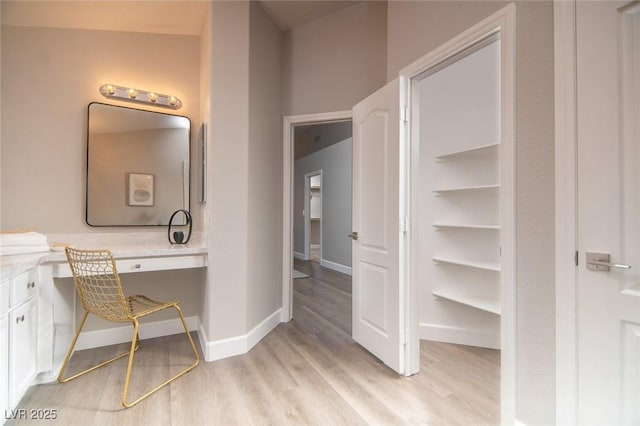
x: 289, y: 122
x: 501, y: 23
x: 566, y: 218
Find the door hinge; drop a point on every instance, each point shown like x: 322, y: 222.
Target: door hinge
x: 403, y: 224
x: 404, y: 114
x: 576, y: 258
x: 403, y: 337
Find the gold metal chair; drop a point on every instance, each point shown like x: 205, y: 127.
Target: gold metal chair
x: 99, y: 288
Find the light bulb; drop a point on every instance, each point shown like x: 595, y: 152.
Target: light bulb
x: 132, y: 93
x: 153, y: 97
x: 172, y: 100
x: 110, y: 89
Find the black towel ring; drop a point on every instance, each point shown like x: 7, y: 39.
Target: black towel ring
x: 178, y: 236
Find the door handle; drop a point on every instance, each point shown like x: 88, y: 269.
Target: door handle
x: 601, y: 262
x: 353, y: 236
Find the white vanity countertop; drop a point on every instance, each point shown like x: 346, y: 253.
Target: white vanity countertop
x: 123, y: 246
x: 134, y: 250
x: 12, y: 266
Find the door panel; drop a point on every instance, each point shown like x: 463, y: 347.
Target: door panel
x: 376, y: 292
x: 374, y: 132
x: 608, y: 212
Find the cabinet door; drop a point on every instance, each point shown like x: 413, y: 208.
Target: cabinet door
x: 22, y: 349
x: 4, y: 363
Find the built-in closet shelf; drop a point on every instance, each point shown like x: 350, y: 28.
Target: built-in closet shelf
x: 314, y: 187
x: 314, y: 218
x: 468, y: 151
x: 463, y: 226
x: 465, y: 188
x: 488, y: 266
x: 482, y: 303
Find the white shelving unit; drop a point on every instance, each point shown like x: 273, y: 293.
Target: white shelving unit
x: 465, y: 226
x: 486, y: 304
x: 466, y: 188
x: 460, y: 199
x: 488, y: 266
x: 467, y: 151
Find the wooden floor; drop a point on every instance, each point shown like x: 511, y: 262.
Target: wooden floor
x: 305, y: 372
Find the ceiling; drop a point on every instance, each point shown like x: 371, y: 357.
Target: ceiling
x: 288, y: 14
x: 166, y: 17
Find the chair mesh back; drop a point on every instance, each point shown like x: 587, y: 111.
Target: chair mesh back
x: 98, y: 284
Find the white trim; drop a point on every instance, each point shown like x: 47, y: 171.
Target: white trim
x: 566, y: 211
x: 459, y: 336
x: 122, y: 334
x: 518, y: 423
x: 336, y: 266
x: 502, y: 22
x: 314, y: 246
x: 287, y: 197
x: 299, y: 255
x: 238, y: 345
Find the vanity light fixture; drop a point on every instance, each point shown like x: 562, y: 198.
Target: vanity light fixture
x: 141, y: 96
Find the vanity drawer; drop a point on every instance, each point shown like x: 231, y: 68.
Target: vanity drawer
x: 23, y: 287
x: 5, y: 287
x: 160, y: 263
x: 144, y: 264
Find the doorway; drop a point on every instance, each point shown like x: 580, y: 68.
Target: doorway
x: 459, y: 169
x: 597, y: 205
x: 313, y: 216
x: 317, y: 153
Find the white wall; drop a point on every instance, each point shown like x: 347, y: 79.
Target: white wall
x: 244, y: 207
x: 228, y: 178
x: 415, y: 28
x: 336, y: 166
x: 49, y: 76
x: 334, y: 62
x: 265, y: 168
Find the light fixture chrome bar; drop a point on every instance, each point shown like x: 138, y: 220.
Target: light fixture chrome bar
x: 141, y: 96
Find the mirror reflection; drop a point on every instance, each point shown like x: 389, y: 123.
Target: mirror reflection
x: 137, y: 166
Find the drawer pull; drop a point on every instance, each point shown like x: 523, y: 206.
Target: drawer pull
x: 31, y: 285
x: 137, y: 266
x: 19, y: 319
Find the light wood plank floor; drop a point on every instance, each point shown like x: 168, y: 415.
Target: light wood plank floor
x: 306, y: 372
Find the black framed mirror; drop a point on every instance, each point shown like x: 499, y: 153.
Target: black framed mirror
x: 138, y: 168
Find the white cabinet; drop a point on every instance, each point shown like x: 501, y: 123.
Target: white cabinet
x: 22, y: 349
x: 18, y: 336
x: 4, y: 357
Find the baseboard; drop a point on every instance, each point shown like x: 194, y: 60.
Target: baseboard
x: 458, y: 335
x: 336, y: 266
x: 122, y: 334
x: 300, y: 256
x: 238, y: 345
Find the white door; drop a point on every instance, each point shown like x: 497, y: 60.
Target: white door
x: 608, y: 105
x: 376, y: 292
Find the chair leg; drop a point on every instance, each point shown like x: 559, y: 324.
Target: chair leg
x: 131, y: 355
x: 65, y: 363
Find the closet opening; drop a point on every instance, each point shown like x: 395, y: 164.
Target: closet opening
x: 459, y: 202
x: 313, y: 216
